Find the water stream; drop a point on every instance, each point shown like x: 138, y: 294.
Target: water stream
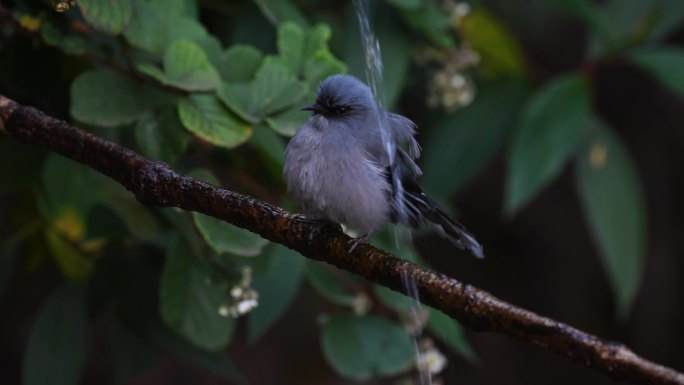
x: 374, y: 78
x: 416, y: 319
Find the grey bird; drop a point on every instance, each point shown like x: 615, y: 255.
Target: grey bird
x: 339, y: 168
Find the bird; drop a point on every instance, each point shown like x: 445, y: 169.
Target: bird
x: 342, y: 167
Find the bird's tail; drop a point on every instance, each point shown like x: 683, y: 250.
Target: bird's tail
x: 419, y: 205
x: 410, y: 204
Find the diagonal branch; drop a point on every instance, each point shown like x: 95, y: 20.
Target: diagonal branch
x: 156, y: 184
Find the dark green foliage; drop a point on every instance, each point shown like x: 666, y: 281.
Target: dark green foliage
x: 277, y: 288
x: 472, y: 137
x: 221, y: 236
x: 57, y: 347
x: 609, y: 189
x: 190, y: 299
x: 364, y: 347
x: 551, y: 126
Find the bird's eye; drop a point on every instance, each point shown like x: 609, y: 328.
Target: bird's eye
x: 343, y: 109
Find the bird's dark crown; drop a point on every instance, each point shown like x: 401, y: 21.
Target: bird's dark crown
x: 340, y: 95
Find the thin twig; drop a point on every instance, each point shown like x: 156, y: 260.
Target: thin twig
x: 156, y: 184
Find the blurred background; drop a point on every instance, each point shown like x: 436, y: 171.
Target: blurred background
x: 550, y: 128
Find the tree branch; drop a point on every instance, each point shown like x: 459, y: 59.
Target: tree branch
x: 156, y: 184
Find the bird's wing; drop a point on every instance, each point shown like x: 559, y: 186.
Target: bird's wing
x: 403, y: 129
x: 407, y: 147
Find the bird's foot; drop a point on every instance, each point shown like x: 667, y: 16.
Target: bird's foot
x: 357, y: 241
x: 318, y: 226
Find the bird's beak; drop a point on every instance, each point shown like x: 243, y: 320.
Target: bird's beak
x: 317, y: 108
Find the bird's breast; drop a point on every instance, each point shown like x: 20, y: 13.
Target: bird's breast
x: 334, y: 178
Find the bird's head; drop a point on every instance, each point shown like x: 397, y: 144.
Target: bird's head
x: 341, y: 96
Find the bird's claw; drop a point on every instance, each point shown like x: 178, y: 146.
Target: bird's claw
x: 317, y: 227
x: 356, y: 241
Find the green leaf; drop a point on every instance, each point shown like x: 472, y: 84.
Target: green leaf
x: 153, y: 71
x: 552, y: 124
x: 319, y: 66
x: 186, y: 66
x: 222, y: 236
x: 328, y: 285
x: 626, y: 21
x: 56, y: 348
x: 361, y: 348
x: 277, y: 288
x: 665, y: 64
x: 182, y: 222
x: 636, y: 21
x: 50, y: 34
x: 288, y: 122
x: 318, y: 62
x: 153, y: 28
x: 226, y: 238
x: 584, y: 10
x: 291, y: 45
x: 206, y: 117
x: 73, y: 45
x: 274, y: 89
x: 306, y: 53
x: 271, y: 149
x: 216, y: 363
x: 667, y: 16
x: 161, y: 136
x: 110, y: 16
x: 279, y: 11
x: 614, y: 207
x: 450, y: 332
x: 498, y: 48
x: 70, y: 43
x: 431, y: 20
x: 190, y: 301
x: 212, y: 47
x: 464, y: 142
x: 302, y: 55
x: 70, y: 259
x: 185, y: 8
x: 106, y: 99
x: 270, y: 145
x: 239, y: 63
x: 394, y: 300
x: 139, y: 221
x: 132, y: 354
